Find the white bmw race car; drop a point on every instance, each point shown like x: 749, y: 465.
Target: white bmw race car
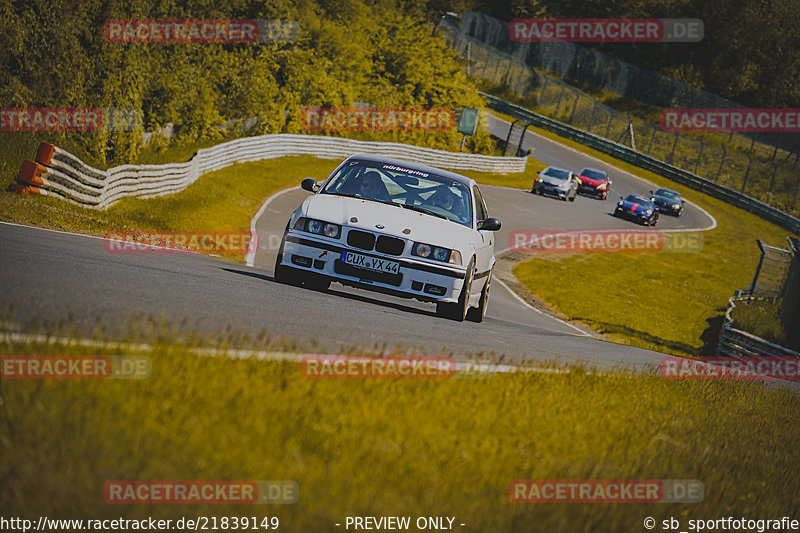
x: 395, y: 227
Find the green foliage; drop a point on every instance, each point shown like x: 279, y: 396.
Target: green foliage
x: 53, y: 53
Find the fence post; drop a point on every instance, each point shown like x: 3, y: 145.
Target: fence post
x: 774, y: 171
x: 747, y: 172
x: 558, y: 104
x: 591, y: 119
x: 608, y: 128
x: 672, y: 153
x: 630, y: 130
x: 574, y: 106
x: 758, y: 268
x: 544, y: 88
x: 699, y: 156
x: 724, y: 155
x: 652, y: 138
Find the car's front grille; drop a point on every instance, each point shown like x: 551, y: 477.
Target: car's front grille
x: 360, y: 239
x: 390, y: 245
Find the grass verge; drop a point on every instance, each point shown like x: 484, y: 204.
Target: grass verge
x: 762, y: 318
x: 392, y: 447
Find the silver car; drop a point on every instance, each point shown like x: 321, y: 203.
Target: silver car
x: 557, y: 182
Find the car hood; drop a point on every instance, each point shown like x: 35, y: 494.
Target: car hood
x: 634, y: 206
x: 590, y: 181
x: 555, y: 182
x: 422, y: 227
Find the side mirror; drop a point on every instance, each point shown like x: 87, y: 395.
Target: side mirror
x: 309, y: 184
x: 651, y: 194
x: 489, y: 224
x: 610, y: 182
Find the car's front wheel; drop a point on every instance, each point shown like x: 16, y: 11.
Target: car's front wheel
x: 477, y: 314
x: 458, y: 310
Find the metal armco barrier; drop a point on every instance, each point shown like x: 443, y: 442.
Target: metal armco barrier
x: 58, y: 173
x: 646, y: 162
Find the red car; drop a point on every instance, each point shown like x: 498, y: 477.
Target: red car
x: 594, y: 182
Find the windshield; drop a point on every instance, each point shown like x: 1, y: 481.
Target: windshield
x: 403, y: 187
x: 641, y: 200
x: 556, y: 173
x: 594, y: 174
x: 666, y: 193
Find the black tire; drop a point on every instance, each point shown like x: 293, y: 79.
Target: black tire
x: 477, y: 314
x: 458, y: 311
x: 316, y: 282
x: 287, y: 275
x: 283, y: 273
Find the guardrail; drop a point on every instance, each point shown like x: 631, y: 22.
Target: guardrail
x: 56, y: 172
x: 646, y: 162
x: 737, y: 343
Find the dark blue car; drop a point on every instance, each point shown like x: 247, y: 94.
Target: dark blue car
x: 668, y: 201
x: 638, y: 208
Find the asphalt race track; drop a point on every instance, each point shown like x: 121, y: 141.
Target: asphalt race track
x: 50, y: 277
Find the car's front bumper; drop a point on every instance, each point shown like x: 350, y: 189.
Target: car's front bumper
x: 591, y: 189
x: 550, y: 190
x: 669, y: 210
x: 421, y: 280
x: 638, y: 217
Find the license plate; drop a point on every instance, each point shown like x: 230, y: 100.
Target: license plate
x: 370, y: 263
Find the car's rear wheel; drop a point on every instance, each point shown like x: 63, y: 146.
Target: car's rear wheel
x: 477, y: 314
x: 458, y: 310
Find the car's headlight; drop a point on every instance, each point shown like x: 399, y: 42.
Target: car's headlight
x: 437, y: 253
x: 648, y: 212
x: 676, y: 206
x: 601, y: 186
x: 318, y: 227
x: 539, y: 179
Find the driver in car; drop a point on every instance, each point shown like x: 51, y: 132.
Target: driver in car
x: 445, y: 199
x: 372, y: 187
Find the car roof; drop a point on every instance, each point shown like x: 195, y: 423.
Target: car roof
x: 551, y: 167
x: 664, y: 189
x: 413, y: 166
x: 595, y: 169
x: 638, y: 197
